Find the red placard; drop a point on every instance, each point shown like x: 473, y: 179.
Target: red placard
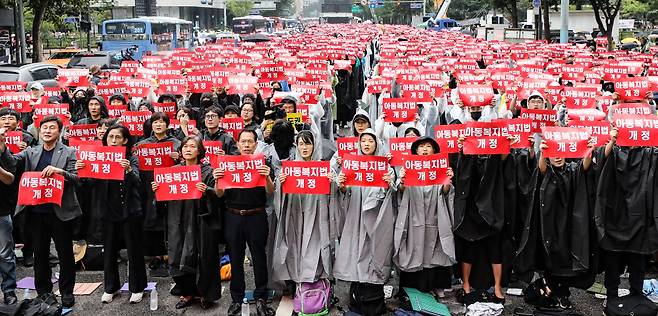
x: 377, y: 85
x: 82, y: 132
x: 539, y: 117
x: 12, y: 86
x: 172, y: 84
x: 154, y: 155
x: 19, y: 101
x: 632, y: 89
x: 484, y: 138
x: 630, y: 108
x: 168, y: 108
x: 598, y: 130
x: 521, y: 129
x: 138, y: 87
x: 177, y: 183
x: 232, y: 126
x: 242, y: 84
x: 72, y: 77
x: 59, y: 110
x: 426, y: 170
x: 637, y: 130
x: 101, y: 162
x: 447, y: 136
x: 12, y: 139
x: 76, y: 143
x: 566, y: 142
x: 35, y: 190
x: 347, y: 145
x: 116, y: 110
x: 110, y: 87
x: 400, y: 147
x: 213, y: 150
x: 175, y: 124
x: 476, y: 95
x: 306, y: 177
x: 399, y: 110
x: 585, y: 114
x: 134, y: 121
x: 240, y: 171
x: 365, y: 171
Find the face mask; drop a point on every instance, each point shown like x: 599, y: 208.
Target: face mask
x: 79, y: 98
x: 476, y: 115
x: 206, y: 103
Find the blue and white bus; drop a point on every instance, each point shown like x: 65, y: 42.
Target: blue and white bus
x: 147, y: 33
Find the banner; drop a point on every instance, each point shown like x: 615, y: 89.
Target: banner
x: 306, y: 177
x: 101, y: 162
x: 213, y: 150
x: 447, y: 136
x: 134, y: 121
x: 12, y: 139
x: 240, y: 171
x: 632, y: 89
x: 177, y: 183
x: 476, y: 95
x: 399, y: 110
x: 426, y: 170
x: 637, y: 130
x: 154, y: 155
x: 365, y: 171
x: 598, y: 130
x: 35, y: 190
x: 540, y: 118
x: 82, y: 132
x: 565, y: 142
x: 232, y: 126
x: 347, y: 145
x: 400, y: 147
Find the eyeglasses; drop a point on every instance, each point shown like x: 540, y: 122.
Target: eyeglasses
x: 247, y: 110
x: 247, y: 141
x: 211, y: 116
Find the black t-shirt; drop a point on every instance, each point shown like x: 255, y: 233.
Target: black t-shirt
x: 44, y: 161
x: 245, y: 199
x: 9, y: 195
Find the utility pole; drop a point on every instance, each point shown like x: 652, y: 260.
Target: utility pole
x: 20, y: 29
x: 424, y: 7
x: 564, y: 21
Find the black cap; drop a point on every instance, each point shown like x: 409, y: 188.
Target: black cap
x: 426, y: 139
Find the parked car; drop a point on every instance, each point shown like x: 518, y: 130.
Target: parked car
x: 108, y: 60
x: 62, y: 57
x: 44, y: 73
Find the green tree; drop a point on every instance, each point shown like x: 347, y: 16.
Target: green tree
x: 605, y: 12
x: 239, y: 8
x: 511, y: 10
x: 468, y: 9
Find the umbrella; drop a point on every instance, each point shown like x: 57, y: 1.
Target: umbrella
x: 630, y: 40
x: 256, y: 38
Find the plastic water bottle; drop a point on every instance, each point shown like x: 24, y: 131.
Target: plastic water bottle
x: 245, y: 307
x: 26, y: 294
x: 154, y: 300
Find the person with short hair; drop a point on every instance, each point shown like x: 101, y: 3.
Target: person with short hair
x: 50, y: 220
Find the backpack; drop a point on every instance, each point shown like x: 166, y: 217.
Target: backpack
x: 313, y: 299
x: 367, y: 299
x: 637, y: 305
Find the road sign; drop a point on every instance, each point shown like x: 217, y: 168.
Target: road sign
x: 356, y: 9
x: 536, y: 3
x: 415, y: 5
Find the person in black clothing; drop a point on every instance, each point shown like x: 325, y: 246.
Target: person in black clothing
x: 155, y: 212
x: 214, y: 132
x: 118, y: 202
x: 50, y: 220
x: 245, y: 223
x: 77, y: 104
x: 94, y: 111
x: 9, y: 191
x: 193, y: 234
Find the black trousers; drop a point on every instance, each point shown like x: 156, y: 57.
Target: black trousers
x: 615, y: 261
x: 559, y: 285
x: 43, y: 227
x: 130, y: 232
x: 153, y: 242
x: 242, y: 231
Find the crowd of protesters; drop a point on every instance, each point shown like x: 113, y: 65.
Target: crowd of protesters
x: 344, y: 153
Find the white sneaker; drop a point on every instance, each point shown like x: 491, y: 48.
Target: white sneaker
x: 136, y: 297
x: 107, y: 297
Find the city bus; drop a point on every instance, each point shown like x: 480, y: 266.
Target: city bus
x: 251, y: 24
x: 149, y: 34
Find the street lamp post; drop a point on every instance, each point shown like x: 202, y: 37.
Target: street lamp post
x: 564, y: 21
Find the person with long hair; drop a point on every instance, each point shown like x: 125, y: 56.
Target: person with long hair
x: 118, y: 203
x: 193, y: 234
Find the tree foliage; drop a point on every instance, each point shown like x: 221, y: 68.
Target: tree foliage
x: 239, y: 8
x: 605, y: 12
x: 468, y: 9
x: 640, y: 10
